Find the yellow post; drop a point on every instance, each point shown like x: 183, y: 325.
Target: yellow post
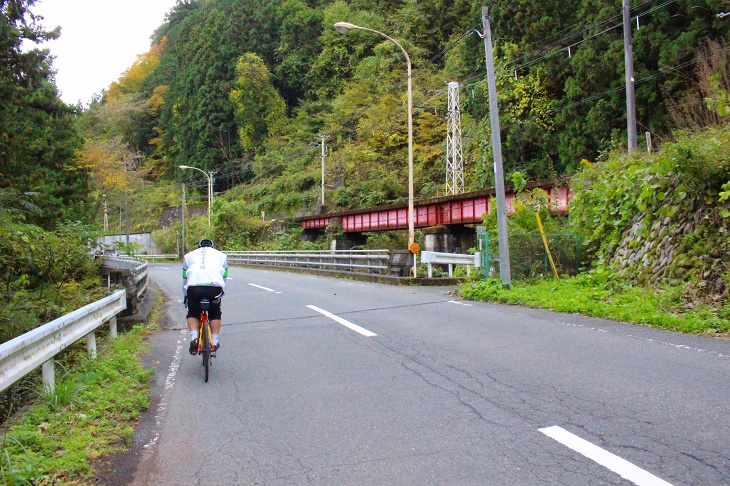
x: 545, y: 243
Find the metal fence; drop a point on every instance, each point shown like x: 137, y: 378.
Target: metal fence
x: 358, y: 261
x: 25, y: 353
x: 130, y: 272
x: 528, y: 257
x: 168, y: 256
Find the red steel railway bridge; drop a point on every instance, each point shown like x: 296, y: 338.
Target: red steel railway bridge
x: 458, y: 209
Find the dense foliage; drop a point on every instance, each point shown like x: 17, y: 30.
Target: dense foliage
x: 657, y: 234
x: 662, y: 217
x: 242, y: 88
x: 38, y: 135
x: 44, y: 274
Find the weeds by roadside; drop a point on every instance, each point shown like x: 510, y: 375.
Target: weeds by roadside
x: 91, y: 412
x: 607, y: 298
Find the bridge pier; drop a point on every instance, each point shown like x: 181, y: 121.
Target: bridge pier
x: 347, y: 241
x: 312, y: 234
x: 453, y: 238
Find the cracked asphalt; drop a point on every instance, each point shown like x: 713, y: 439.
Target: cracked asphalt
x: 448, y: 392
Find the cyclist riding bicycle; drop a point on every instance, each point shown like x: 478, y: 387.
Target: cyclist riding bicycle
x: 204, y: 276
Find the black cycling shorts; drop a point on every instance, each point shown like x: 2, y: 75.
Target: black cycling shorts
x: 197, y: 292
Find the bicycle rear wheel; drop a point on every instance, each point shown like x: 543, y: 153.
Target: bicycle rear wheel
x: 206, y: 350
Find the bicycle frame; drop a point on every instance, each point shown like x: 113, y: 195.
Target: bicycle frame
x: 205, y: 337
x: 204, y: 329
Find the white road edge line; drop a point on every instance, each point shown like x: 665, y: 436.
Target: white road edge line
x: 606, y: 459
x: 263, y: 288
x: 344, y: 322
x: 459, y: 303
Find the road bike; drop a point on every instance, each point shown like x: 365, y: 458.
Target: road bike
x: 205, y: 337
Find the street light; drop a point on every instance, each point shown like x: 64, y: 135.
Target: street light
x: 344, y: 28
x: 210, y: 186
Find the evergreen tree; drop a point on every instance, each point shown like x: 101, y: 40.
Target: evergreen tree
x: 38, y: 135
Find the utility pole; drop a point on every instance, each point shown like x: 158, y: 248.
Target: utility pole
x: 106, y: 215
x: 210, y: 193
x: 126, y: 215
x: 454, y: 152
x: 504, y: 264
x: 629, y: 65
x: 182, y: 245
x: 323, y: 138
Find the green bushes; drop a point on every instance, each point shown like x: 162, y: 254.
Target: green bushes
x: 659, y: 218
x: 235, y: 227
x: 656, y: 231
x: 44, y: 274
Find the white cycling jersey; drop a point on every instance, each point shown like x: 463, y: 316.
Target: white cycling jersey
x: 205, y: 266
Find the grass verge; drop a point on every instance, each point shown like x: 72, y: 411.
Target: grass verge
x: 92, y: 412
x: 596, y: 296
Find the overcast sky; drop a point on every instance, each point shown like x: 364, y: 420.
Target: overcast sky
x: 100, y: 39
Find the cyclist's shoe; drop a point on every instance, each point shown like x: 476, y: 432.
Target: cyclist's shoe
x: 216, y: 347
x: 194, y: 347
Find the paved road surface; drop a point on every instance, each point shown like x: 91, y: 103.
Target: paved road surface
x: 334, y: 382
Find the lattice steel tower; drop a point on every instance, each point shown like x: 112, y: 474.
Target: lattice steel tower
x: 454, y: 152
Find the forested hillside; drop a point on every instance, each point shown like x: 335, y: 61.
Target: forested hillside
x: 243, y: 87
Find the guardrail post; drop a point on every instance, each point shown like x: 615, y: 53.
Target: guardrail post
x: 113, y: 327
x: 91, y: 344
x: 49, y: 375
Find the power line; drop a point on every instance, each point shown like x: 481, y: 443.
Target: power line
x: 550, y: 51
x: 663, y: 71
x: 583, y: 31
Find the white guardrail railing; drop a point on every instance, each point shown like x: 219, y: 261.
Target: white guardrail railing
x: 450, y: 259
x: 25, y: 353
x: 366, y: 261
x: 134, y: 272
x: 169, y: 256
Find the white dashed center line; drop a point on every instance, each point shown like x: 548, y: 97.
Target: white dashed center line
x: 344, y: 322
x: 263, y: 288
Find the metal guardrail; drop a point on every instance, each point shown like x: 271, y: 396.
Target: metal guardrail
x: 361, y: 261
x: 25, y: 353
x: 450, y: 259
x: 170, y: 256
x: 131, y: 272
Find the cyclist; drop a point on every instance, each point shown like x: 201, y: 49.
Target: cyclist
x: 204, y: 276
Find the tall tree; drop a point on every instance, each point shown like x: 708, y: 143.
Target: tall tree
x: 38, y: 135
x: 259, y: 108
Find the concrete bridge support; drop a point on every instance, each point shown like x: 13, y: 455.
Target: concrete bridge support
x: 313, y: 235
x: 348, y: 241
x: 454, y: 238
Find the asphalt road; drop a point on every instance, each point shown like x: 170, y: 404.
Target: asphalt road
x: 334, y: 382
